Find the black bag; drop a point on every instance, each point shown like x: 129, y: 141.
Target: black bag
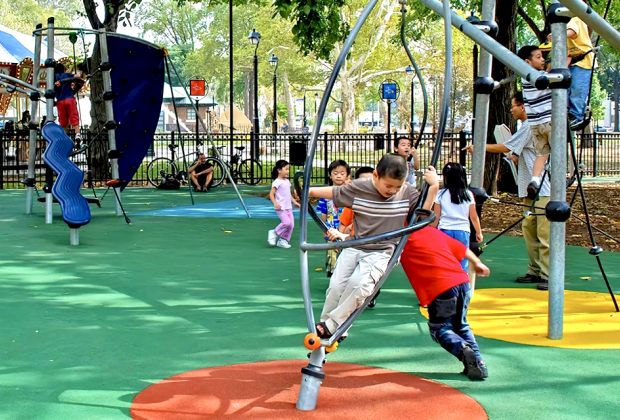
x: 169, y: 183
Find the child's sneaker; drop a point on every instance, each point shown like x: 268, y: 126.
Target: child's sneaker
x: 272, y: 237
x: 472, y: 369
x: 283, y: 243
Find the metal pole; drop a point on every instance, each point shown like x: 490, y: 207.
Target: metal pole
x: 558, y: 186
x: 594, y: 21
x: 275, y: 102
x: 109, y: 112
x: 256, y: 123
x: 34, y: 123
x: 389, y: 121
x: 197, y: 125
x: 412, y: 109
x: 49, y: 95
x: 304, y: 120
x: 481, y: 114
x: 231, y: 106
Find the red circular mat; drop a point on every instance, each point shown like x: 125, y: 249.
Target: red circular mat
x: 268, y: 390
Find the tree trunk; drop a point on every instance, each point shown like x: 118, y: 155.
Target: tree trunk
x: 349, y: 125
x: 248, y: 94
x: 500, y: 104
x: 99, y: 149
x: 617, y: 97
x: 288, y: 101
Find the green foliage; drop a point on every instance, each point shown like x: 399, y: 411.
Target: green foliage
x: 597, y: 96
x: 318, y: 25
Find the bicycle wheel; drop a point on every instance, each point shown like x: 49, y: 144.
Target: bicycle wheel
x: 218, y: 172
x: 158, y: 169
x: 245, y: 172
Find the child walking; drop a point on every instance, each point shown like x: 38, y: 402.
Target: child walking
x: 280, y: 196
x: 381, y: 204
x: 339, y: 174
x: 455, y: 207
x: 431, y: 261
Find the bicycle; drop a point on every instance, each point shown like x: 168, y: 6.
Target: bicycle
x: 162, y: 168
x: 239, y: 169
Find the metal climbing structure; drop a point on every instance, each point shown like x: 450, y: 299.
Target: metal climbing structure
x: 557, y: 211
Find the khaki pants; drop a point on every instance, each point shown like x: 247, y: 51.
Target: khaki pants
x: 354, y: 279
x: 536, y: 234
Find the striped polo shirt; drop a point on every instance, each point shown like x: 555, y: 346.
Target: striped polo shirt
x: 537, y: 103
x: 375, y: 214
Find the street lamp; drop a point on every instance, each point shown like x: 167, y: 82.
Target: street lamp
x: 254, y: 39
x: 303, y: 89
x: 410, y: 72
x: 338, y: 111
x: 273, y: 61
x: 316, y: 99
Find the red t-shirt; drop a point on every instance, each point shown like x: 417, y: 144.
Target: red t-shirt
x: 431, y: 260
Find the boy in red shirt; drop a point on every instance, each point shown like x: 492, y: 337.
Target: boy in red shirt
x: 431, y: 260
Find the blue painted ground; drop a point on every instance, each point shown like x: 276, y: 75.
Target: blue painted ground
x: 259, y: 208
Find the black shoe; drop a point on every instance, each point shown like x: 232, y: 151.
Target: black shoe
x: 529, y: 278
x: 576, y: 124
x: 473, y: 370
x: 373, y: 302
x: 543, y: 285
x: 532, y: 190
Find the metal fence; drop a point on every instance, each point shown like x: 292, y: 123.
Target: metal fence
x: 601, y: 153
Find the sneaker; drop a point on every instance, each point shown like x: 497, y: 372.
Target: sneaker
x: 272, y: 237
x: 483, y: 369
x: 529, y: 278
x: 543, y: 285
x: 373, y: 302
x: 283, y: 243
x: 472, y: 369
x: 575, y: 124
x: 532, y: 190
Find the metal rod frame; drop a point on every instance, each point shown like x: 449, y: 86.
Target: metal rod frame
x: 49, y: 199
x: 109, y: 110
x: 558, y: 186
x: 34, y: 123
x: 418, y: 73
x: 310, y: 384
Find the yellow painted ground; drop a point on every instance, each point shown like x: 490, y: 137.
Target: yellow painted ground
x: 520, y: 316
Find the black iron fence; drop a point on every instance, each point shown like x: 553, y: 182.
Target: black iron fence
x: 600, y: 154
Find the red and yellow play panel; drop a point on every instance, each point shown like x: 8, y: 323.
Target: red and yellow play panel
x: 268, y: 390
x: 521, y: 316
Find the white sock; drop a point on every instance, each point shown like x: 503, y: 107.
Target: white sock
x: 536, y: 179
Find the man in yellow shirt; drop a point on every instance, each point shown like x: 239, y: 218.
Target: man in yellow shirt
x: 580, y: 62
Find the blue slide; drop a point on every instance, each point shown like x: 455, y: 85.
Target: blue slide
x: 66, y: 189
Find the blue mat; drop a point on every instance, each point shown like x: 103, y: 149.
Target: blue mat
x: 259, y: 208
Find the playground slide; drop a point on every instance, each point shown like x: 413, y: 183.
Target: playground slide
x: 66, y: 189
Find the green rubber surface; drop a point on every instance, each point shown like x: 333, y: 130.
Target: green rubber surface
x: 84, y: 329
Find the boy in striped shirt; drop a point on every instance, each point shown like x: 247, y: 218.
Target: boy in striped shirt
x: 381, y: 204
x: 538, y: 108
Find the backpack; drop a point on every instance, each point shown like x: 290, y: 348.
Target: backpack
x: 169, y: 182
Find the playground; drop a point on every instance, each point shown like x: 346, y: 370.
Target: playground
x: 92, y: 331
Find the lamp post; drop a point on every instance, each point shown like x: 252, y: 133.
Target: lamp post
x: 273, y: 61
x: 303, y: 121
x: 338, y: 111
x: 316, y: 99
x: 410, y: 72
x: 254, y: 39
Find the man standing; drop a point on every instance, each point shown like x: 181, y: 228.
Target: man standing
x: 201, y: 174
x: 535, y: 229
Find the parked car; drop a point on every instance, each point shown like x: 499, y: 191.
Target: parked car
x: 603, y: 129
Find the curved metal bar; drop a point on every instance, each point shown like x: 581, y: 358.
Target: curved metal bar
x: 445, y: 103
x: 21, y: 82
x: 58, y: 29
x: 311, y: 211
x: 418, y: 74
x: 377, y: 238
x: 303, y: 234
